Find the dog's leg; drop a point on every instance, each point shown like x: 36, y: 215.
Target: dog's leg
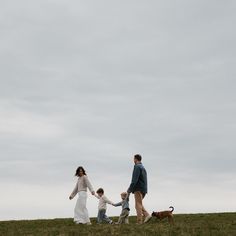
x: 170, y: 219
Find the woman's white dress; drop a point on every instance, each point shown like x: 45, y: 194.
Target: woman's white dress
x: 81, y: 212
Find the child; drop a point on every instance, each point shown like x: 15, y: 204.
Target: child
x: 102, y: 207
x: 124, y: 216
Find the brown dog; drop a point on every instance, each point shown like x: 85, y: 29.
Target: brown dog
x: 164, y: 214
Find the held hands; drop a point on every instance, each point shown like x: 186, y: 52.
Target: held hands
x: 127, y: 197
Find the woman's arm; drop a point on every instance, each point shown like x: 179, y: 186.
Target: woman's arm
x: 75, y: 191
x: 89, y: 185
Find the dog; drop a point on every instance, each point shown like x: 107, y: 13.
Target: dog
x: 164, y: 214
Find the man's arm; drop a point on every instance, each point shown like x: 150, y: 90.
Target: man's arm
x: 135, y: 177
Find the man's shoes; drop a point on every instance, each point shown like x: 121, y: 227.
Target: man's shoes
x: 147, y: 219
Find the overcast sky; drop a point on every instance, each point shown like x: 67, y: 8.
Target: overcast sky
x: 94, y: 82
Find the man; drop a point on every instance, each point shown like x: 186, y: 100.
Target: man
x: 138, y: 187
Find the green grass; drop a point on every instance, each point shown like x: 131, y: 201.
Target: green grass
x: 218, y: 224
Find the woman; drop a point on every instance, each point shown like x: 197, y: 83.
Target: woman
x: 81, y: 213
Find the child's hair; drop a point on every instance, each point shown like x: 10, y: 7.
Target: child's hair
x: 100, y: 190
x: 124, y: 194
x: 138, y: 157
x: 78, y: 170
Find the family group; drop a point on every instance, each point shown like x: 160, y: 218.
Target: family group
x: 138, y: 187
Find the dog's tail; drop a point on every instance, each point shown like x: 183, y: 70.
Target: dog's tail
x: 172, y: 208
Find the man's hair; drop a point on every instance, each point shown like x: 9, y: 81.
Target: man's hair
x: 100, y: 190
x: 138, y: 157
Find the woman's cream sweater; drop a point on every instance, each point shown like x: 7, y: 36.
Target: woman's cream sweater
x: 82, y: 184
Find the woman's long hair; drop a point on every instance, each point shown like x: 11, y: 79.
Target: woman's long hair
x: 78, y: 170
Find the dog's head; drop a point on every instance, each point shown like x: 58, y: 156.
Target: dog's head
x: 154, y: 213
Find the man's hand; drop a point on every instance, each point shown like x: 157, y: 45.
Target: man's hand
x: 70, y: 197
x: 127, y: 197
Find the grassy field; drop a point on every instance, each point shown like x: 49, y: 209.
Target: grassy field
x: 218, y: 224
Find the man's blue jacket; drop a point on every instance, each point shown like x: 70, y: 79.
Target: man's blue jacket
x: 139, y: 179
